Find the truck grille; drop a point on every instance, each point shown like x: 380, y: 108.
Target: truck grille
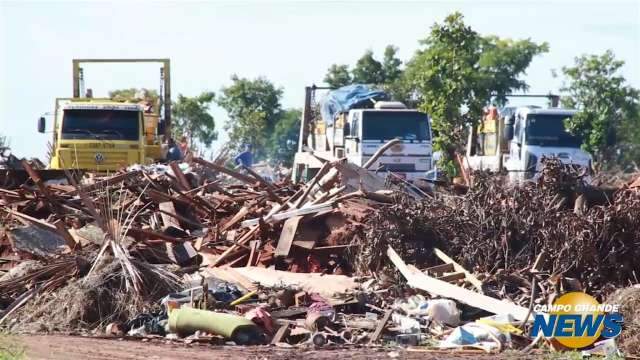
x: 95, y: 159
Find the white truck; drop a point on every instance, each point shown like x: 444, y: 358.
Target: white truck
x: 518, y: 138
x: 358, y: 132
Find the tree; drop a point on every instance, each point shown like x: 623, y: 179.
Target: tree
x: 191, y: 118
x: 456, y: 74
x: 254, y: 109
x: 338, y: 75
x: 283, y: 144
x: 391, y: 65
x: 135, y: 95
x: 368, y: 70
x: 609, y: 112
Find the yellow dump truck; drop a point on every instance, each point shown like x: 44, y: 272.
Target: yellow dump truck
x: 104, y: 135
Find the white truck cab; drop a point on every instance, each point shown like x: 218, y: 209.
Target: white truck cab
x: 356, y: 134
x: 369, y: 129
x: 519, y: 138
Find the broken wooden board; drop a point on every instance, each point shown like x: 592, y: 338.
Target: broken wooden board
x: 287, y: 235
x: 460, y: 269
x: 385, y: 318
x: 168, y: 210
x: 325, y: 285
x: 419, y: 280
x: 312, y: 209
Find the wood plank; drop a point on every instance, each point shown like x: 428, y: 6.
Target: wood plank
x: 440, y: 269
x: 237, y: 217
x: 106, y: 182
x: 62, y: 230
x: 269, y: 187
x: 286, y: 236
x: 291, y: 213
x: 233, y: 248
x: 380, y: 327
x: 224, y: 170
x: 253, y: 245
x: 437, y: 287
x: 281, y: 334
x: 459, y: 268
x: 182, y: 179
x: 168, y: 214
x: 452, y: 277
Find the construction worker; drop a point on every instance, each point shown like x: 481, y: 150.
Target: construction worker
x: 245, y: 158
x: 173, y: 151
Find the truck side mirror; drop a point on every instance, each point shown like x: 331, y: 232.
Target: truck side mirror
x: 508, y: 128
x: 508, y: 132
x: 41, y: 124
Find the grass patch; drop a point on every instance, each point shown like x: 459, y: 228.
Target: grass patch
x: 10, y: 348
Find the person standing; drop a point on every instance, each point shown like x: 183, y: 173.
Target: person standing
x: 173, y: 152
x: 245, y: 158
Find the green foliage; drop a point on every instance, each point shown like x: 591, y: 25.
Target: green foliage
x: 191, y: 118
x: 134, y: 95
x: 368, y: 70
x: 608, y: 120
x: 283, y: 143
x: 456, y: 74
x: 338, y: 76
x: 254, y: 110
x: 10, y: 348
x: 503, y: 60
x: 391, y: 65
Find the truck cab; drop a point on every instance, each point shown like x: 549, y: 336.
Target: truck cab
x: 541, y: 133
x: 101, y: 134
x: 97, y: 134
x: 518, y: 138
x: 356, y: 132
x: 369, y: 129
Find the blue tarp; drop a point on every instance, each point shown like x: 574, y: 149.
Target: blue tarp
x: 348, y: 97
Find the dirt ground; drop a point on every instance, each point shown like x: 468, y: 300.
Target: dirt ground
x: 59, y: 347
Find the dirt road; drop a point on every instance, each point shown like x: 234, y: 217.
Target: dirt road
x: 58, y: 347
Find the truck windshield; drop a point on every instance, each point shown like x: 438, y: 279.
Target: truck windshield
x: 549, y: 130
x: 386, y: 125
x: 83, y: 124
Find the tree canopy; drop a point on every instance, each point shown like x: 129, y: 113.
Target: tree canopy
x: 134, y: 95
x: 458, y: 71
x: 253, y: 106
x: 191, y: 118
x: 338, y: 76
x: 608, y: 120
x: 283, y: 143
x: 367, y: 70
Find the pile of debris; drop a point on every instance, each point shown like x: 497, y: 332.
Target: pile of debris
x: 201, y: 252
x: 586, y: 238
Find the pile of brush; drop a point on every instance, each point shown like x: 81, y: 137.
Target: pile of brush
x: 499, y: 231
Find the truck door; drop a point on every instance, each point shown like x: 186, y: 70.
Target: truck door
x: 353, y: 144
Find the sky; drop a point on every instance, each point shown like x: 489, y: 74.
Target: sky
x: 290, y: 43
